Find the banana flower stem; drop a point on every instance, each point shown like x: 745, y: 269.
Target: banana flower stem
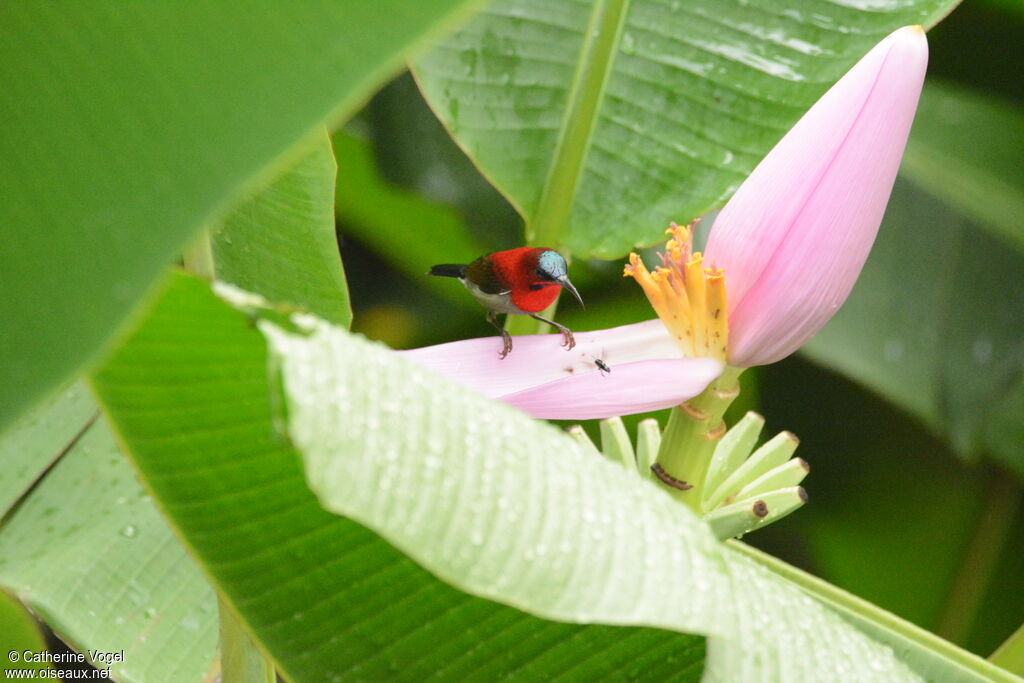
x: 691, y: 435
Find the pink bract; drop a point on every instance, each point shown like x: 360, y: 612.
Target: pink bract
x: 794, y: 237
x: 791, y: 241
x: 545, y: 380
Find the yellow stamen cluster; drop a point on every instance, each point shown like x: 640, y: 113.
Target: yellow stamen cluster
x: 689, y: 298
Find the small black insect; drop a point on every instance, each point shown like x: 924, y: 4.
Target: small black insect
x: 601, y: 365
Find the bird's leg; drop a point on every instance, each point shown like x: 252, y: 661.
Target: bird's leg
x: 568, y: 341
x: 492, y: 318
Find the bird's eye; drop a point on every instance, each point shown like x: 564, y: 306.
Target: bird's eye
x: 541, y: 275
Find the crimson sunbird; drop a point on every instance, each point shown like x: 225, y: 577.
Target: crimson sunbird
x: 519, y: 281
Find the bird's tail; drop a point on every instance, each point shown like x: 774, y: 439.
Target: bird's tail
x: 449, y: 270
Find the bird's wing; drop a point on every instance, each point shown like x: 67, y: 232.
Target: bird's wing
x: 482, y: 274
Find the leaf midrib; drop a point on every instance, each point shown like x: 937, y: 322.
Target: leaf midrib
x: 857, y: 609
x: 597, y: 56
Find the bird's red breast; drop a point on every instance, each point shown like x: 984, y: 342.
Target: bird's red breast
x: 517, y: 270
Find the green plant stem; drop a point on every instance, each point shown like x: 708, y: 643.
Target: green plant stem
x: 877, y: 623
x: 241, y: 660
x: 1010, y: 655
x: 198, y: 256
x: 1001, y: 501
x: 693, y: 430
x: 545, y: 227
x: 597, y: 55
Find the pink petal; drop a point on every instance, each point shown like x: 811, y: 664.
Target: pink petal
x: 627, y: 389
x: 539, y: 359
x: 794, y: 237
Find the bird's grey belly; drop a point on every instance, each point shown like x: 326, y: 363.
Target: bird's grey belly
x: 499, y: 303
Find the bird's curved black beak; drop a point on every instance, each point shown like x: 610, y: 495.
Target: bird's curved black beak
x: 564, y: 281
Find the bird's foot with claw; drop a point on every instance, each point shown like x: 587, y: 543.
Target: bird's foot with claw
x: 506, y: 339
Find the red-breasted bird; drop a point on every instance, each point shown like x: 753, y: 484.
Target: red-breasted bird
x: 519, y: 281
